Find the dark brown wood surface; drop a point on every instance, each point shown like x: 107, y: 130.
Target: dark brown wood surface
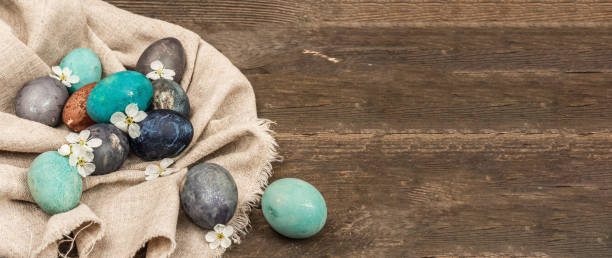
x: 432, y: 129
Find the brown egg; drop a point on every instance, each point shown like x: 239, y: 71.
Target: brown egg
x: 75, y: 111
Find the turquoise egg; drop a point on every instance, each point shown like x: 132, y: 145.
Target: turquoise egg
x: 84, y: 63
x: 294, y: 208
x: 54, y: 184
x: 115, y: 92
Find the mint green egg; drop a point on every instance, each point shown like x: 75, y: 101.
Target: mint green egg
x: 116, y: 91
x: 84, y: 63
x: 294, y: 208
x: 54, y: 184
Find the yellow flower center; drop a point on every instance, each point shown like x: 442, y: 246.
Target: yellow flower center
x: 220, y: 236
x: 81, y: 162
x: 159, y: 72
x: 129, y: 120
x: 82, y: 142
x: 63, y: 77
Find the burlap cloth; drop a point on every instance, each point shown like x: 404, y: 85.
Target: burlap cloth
x: 120, y: 212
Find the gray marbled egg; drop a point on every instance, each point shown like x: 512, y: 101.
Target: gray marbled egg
x: 169, y: 51
x: 42, y: 100
x: 109, y: 156
x: 168, y: 94
x: 209, y: 195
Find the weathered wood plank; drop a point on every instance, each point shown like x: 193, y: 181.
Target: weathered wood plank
x: 406, y: 195
x: 379, y: 12
x: 430, y: 102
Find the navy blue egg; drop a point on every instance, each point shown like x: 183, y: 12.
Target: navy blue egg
x: 163, y: 134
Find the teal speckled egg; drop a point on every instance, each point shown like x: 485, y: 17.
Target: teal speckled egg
x: 294, y: 208
x: 54, y: 184
x: 115, y: 92
x: 84, y: 63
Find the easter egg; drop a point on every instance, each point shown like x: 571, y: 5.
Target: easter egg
x: 54, y: 184
x: 109, y: 156
x: 169, y: 51
x: 209, y: 195
x: 294, y: 208
x: 41, y: 100
x: 75, y: 111
x: 168, y: 94
x: 84, y: 63
x: 115, y: 92
x: 163, y: 134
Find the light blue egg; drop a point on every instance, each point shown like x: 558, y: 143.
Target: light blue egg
x: 54, y: 184
x: 294, y: 208
x: 84, y: 63
x: 115, y: 92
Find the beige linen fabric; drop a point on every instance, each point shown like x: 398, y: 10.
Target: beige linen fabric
x: 120, y: 212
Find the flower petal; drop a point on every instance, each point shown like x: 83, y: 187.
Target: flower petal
x: 64, y: 150
x: 122, y: 125
x: 74, y: 79
x: 168, y: 72
x: 72, y: 138
x: 131, y: 110
x: 228, y: 231
x: 168, y: 77
x: 67, y: 84
x: 134, y: 131
x: 72, y: 160
x: 81, y: 171
x: 211, y: 236
x: 156, y: 65
x: 55, y: 77
x: 215, y: 244
x: 94, y: 143
x: 86, y: 155
x: 57, y: 70
x: 141, y: 115
x: 169, y: 171
x: 225, y: 242
x: 153, y: 76
x: 86, y: 148
x: 165, y: 163
x: 151, y: 177
x: 66, y: 71
x: 90, y: 168
x: 77, y: 149
x: 117, y: 117
x: 219, y: 228
x: 84, y: 135
x: 152, y: 169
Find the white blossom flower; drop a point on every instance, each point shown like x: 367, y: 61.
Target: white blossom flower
x: 82, y: 140
x: 160, y: 71
x: 65, y: 150
x: 65, y: 76
x: 220, y: 236
x: 128, y: 123
x: 81, y: 159
x: 154, y: 171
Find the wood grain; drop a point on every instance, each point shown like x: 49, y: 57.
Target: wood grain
x: 433, y: 129
x: 410, y: 195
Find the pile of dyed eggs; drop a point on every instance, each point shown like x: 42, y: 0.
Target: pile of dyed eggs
x: 145, y: 112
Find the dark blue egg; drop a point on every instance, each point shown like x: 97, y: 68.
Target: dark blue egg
x: 163, y: 134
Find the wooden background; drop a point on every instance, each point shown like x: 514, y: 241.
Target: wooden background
x: 432, y: 129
